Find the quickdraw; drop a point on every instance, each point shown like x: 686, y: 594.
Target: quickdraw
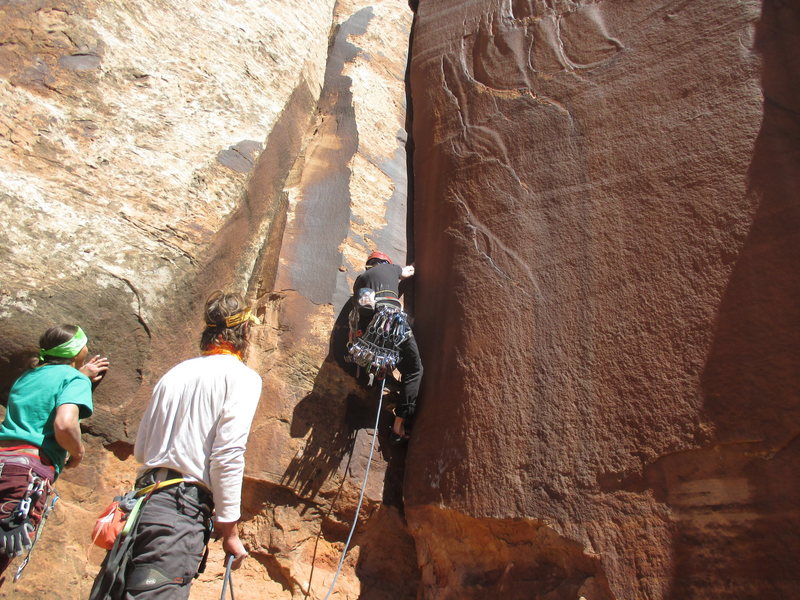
x: 376, y: 350
x: 17, y: 531
x: 48, y: 508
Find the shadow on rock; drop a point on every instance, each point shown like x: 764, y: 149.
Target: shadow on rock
x: 752, y: 374
x: 339, y: 406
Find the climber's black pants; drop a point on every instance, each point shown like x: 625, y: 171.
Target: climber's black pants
x: 410, y: 367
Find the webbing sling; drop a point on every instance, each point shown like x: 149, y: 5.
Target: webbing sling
x: 111, y: 585
x: 143, y: 495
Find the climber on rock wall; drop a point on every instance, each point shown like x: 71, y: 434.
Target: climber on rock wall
x: 40, y: 429
x: 191, y: 441
x: 377, y: 313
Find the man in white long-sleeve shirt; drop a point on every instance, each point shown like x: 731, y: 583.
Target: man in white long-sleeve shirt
x: 195, y: 428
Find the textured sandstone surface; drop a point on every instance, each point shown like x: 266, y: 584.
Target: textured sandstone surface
x: 606, y: 232
x: 152, y: 152
x: 128, y: 131
x: 605, y: 229
x: 346, y: 195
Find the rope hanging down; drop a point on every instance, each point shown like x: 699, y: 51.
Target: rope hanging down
x: 363, y: 488
x: 228, y: 578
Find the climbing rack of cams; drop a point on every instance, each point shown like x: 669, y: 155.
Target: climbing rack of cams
x: 376, y: 350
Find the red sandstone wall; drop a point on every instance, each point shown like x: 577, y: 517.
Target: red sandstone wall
x: 606, y: 229
x: 606, y: 239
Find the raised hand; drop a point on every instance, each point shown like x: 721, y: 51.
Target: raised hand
x: 95, y: 368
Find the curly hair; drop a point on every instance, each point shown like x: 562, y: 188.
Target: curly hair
x: 220, y: 306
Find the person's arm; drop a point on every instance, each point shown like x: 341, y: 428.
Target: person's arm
x: 231, y: 544
x: 227, y: 461
x: 67, y: 429
x: 408, y: 271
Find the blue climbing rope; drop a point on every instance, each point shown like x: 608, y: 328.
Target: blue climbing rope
x: 228, y: 577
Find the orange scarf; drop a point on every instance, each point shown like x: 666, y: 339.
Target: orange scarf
x: 222, y: 348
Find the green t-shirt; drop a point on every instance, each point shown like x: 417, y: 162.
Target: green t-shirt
x: 32, y: 405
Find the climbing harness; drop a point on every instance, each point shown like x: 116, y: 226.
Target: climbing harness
x: 228, y: 579
x: 114, y: 570
x: 17, y: 527
x: 377, y: 349
x: 17, y: 531
x: 122, y: 514
x: 361, y: 496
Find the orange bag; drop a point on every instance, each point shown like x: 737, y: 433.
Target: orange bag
x: 123, y: 509
x: 108, y: 526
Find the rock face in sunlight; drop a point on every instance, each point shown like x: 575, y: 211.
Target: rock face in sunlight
x: 128, y: 133
x: 345, y: 195
x: 606, y: 232
x: 153, y: 152
x: 604, y: 219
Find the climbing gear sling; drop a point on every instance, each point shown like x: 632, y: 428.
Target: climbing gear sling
x: 377, y: 349
x: 17, y: 531
x: 122, y: 514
